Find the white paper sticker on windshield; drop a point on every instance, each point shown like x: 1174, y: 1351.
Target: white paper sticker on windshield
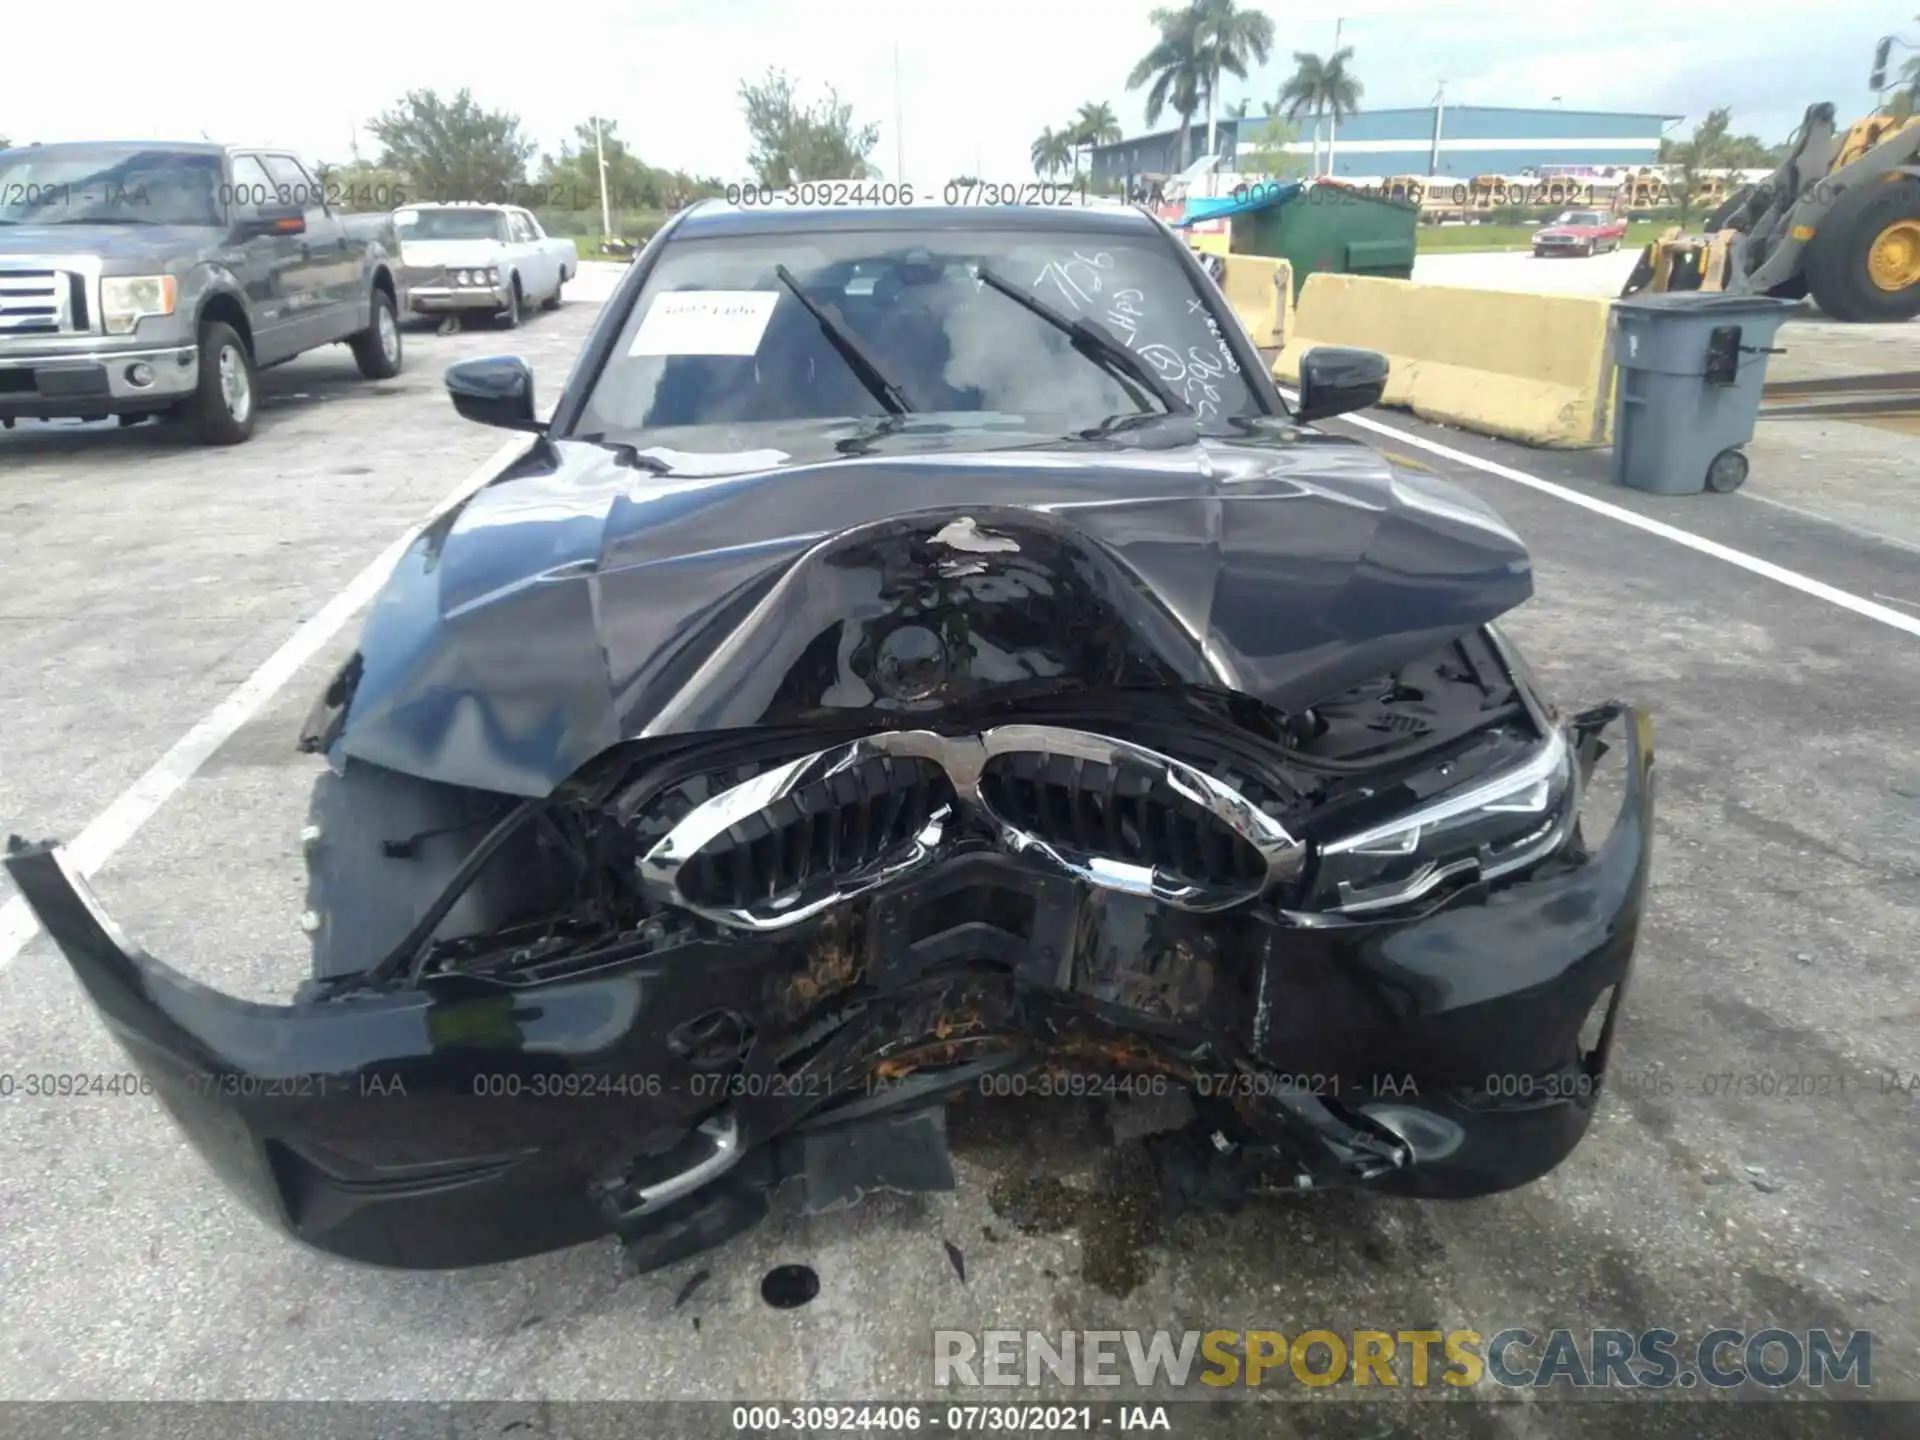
x: 705, y: 322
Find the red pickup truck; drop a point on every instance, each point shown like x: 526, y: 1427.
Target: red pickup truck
x: 1579, y: 232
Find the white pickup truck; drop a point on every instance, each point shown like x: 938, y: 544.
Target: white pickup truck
x: 492, y: 258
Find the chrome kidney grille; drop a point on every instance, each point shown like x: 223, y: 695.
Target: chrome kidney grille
x: 861, y: 821
x: 825, y: 828
x: 1124, y: 811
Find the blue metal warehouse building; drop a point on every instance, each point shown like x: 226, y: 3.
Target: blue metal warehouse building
x: 1459, y: 140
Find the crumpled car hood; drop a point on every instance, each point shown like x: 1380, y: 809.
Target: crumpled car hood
x: 579, y: 602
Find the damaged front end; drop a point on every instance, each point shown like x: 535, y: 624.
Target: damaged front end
x: 786, y: 951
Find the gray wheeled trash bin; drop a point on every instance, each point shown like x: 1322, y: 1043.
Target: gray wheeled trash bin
x: 1691, y: 368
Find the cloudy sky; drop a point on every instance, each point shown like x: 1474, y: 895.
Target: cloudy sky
x: 978, y: 79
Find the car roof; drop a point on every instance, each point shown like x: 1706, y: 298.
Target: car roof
x: 134, y: 147
x: 710, y: 219
x: 460, y: 205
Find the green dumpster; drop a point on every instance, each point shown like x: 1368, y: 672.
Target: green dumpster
x: 1331, y: 228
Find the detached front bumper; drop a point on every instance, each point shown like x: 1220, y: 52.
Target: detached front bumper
x: 469, y: 1121
x: 52, y: 385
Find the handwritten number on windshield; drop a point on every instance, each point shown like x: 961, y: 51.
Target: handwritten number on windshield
x: 1078, y: 279
x: 1166, y: 360
x: 1202, y: 370
x: 1128, y: 310
x: 1192, y: 376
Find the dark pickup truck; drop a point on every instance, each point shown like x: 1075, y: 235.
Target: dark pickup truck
x: 141, y: 279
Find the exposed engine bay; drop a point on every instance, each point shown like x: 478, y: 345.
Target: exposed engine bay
x: 1200, y: 802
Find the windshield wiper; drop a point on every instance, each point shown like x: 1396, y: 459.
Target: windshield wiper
x: 1153, y: 424
x: 1093, y: 342
x: 864, y: 368
x: 626, y: 454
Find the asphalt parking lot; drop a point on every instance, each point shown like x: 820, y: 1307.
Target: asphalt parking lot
x: 149, y: 579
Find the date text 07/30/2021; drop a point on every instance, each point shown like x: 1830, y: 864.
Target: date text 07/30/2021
x: 876, y: 192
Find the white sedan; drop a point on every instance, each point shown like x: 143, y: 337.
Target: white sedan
x: 493, y: 258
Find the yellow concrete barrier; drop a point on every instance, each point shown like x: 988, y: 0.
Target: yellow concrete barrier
x: 1260, y: 290
x: 1537, y: 368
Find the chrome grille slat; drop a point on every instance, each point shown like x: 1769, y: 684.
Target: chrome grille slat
x: 782, y: 846
x: 48, y: 295
x: 33, y: 302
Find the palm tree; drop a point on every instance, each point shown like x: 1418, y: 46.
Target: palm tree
x: 1321, y: 87
x: 1227, y: 39
x: 1096, y: 124
x: 1176, y: 72
x: 1237, y: 110
x: 1711, y: 148
x: 1052, y: 152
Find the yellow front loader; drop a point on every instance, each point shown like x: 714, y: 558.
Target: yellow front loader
x: 1839, y: 220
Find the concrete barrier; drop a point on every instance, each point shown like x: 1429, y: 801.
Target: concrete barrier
x: 1260, y: 290
x: 1537, y: 368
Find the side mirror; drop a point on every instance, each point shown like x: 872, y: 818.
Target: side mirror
x: 495, y: 390
x: 1336, y: 379
x: 271, y: 220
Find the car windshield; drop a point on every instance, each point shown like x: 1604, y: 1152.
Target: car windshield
x: 451, y: 225
x: 111, y: 186
x: 1578, y: 217
x: 718, y: 337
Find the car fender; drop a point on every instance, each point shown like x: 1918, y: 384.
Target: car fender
x: 377, y: 271
x: 210, y: 281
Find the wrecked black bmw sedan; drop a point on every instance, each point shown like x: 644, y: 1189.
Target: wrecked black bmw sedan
x: 923, y: 648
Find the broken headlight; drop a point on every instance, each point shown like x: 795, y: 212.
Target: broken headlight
x: 1487, y: 829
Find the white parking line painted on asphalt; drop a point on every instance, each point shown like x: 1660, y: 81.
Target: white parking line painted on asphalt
x: 135, y: 805
x: 1766, y: 569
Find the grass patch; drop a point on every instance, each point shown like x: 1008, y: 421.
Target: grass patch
x: 1452, y: 239
x: 583, y: 228
x: 587, y: 247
